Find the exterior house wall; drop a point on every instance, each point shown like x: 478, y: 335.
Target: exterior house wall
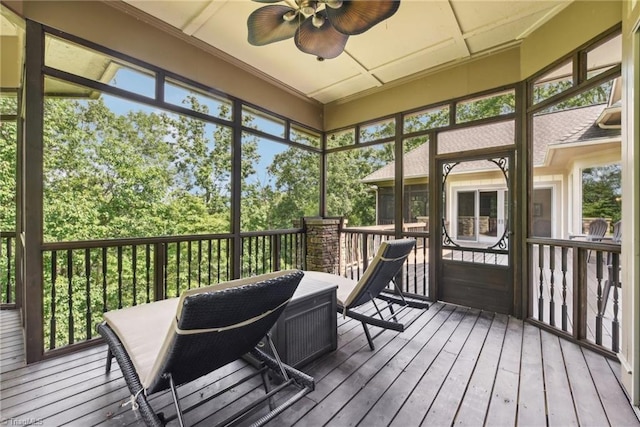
x: 557, y: 183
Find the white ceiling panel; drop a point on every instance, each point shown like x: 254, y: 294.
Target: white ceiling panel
x: 479, y: 15
x: 423, y: 34
x: 503, y: 34
x: 343, y: 89
x: 415, y: 26
x: 420, y: 61
x: 176, y: 13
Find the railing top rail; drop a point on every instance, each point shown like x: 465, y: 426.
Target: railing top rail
x: 133, y: 241
x: 368, y: 231
x: 137, y: 241
x: 603, y: 246
x: 7, y: 234
x: 272, y: 232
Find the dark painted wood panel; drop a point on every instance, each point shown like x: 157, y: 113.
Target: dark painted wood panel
x: 476, y: 285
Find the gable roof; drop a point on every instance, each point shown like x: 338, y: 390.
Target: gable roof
x: 571, y: 126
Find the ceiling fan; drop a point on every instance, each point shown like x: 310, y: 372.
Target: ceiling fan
x: 318, y: 27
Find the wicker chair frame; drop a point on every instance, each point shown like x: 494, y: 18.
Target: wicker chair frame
x: 203, y: 341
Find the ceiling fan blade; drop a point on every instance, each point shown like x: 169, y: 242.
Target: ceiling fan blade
x: 357, y: 16
x: 324, y: 42
x: 266, y: 25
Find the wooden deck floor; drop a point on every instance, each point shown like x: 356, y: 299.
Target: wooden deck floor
x: 452, y: 366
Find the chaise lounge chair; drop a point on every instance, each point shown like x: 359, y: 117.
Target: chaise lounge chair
x: 372, y: 287
x: 164, y: 344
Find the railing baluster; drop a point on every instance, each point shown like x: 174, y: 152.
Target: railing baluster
x: 219, y: 256
x: 54, y: 279
x: 249, y: 256
x: 199, y: 263
x: 70, y: 294
x: 600, y: 302
x: 541, y: 284
x: 277, y: 252
x: 177, y: 269
x: 119, y: 252
x: 147, y: 267
x: 615, y: 323
x: 165, y: 270
x: 134, y: 272
x: 209, y: 261
x: 565, y: 312
x: 189, y: 253
x: 9, y: 256
x: 104, y: 280
x: 290, y: 251
x: 552, y: 303
x: 256, y: 256
x: 424, y: 266
x: 415, y: 270
x: 87, y: 274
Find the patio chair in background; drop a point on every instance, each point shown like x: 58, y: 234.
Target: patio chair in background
x: 372, y: 287
x: 597, y: 229
x: 164, y: 344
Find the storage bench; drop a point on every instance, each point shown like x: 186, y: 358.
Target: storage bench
x: 307, y: 328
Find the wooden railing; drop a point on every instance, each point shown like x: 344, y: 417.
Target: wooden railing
x: 7, y: 267
x: 575, y: 290
x: 84, y: 279
x: 361, y: 244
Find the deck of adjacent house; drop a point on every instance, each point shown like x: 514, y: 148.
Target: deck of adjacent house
x: 454, y: 365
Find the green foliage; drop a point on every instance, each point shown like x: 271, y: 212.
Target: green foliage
x: 601, y: 192
x: 597, y: 95
x: 8, y: 174
x: 486, y: 107
x: 296, y: 175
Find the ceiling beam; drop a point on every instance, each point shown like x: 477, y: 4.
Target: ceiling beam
x: 195, y: 23
x: 547, y: 16
x: 456, y: 30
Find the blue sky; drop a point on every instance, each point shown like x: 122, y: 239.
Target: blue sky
x: 144, y: 84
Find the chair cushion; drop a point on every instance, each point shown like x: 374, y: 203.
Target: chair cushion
x: 142, y: 330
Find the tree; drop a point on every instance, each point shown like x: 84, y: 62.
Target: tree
x: 601, y: 192
x: 296, y: 194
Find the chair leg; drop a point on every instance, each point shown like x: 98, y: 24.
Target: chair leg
x: 176, y: 401
x: 267, y: 389
x: 109, y: 357
x: 368, y: 335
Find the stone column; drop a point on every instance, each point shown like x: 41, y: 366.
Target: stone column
x: 324, y: 247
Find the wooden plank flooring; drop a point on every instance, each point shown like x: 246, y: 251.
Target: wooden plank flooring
x: 453, y: 366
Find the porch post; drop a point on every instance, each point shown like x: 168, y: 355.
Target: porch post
x: 629, y: 355
x: 324, y: 244
x: 32, y: 202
